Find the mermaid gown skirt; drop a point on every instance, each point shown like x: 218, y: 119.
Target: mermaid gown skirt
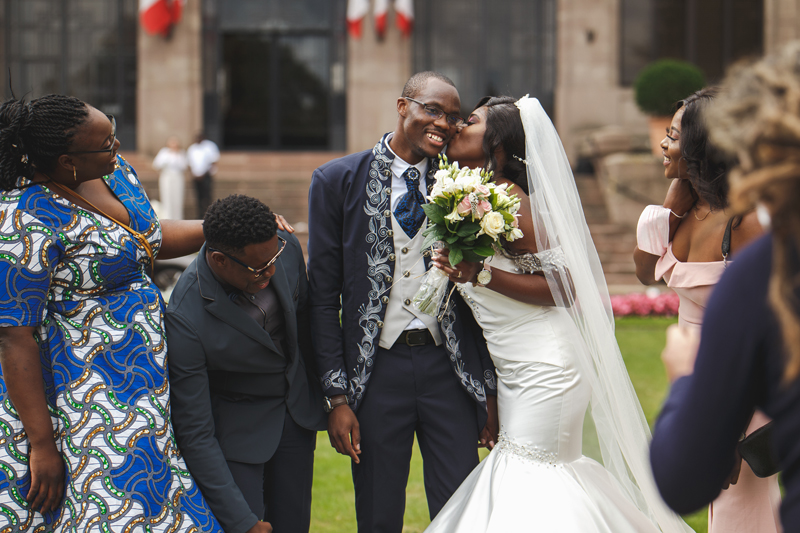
x: 536, y: 478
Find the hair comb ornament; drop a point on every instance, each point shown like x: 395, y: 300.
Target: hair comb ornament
x: 518, y: 158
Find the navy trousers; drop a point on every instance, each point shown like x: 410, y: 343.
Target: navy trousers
x: 411, y: 390
x: 279, y: 491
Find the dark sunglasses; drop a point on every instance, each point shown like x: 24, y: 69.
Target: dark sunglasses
x: 108, y: 150
x: 257, y: 272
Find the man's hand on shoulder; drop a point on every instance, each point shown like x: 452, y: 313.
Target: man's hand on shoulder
x: 261, y: 527
x: 344, y: 432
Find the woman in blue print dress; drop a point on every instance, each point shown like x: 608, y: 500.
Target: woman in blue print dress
x: 85, y: 435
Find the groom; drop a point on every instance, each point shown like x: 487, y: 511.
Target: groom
x: 389, y: 371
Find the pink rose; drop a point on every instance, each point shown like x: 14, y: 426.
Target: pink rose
x: 483, y: 189
x: 465, y: 206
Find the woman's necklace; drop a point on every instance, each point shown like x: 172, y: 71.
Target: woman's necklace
x: 139, y: 238
x: 705, y: 217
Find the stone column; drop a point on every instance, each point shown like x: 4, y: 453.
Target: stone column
x: 781, y: 23
x: 169, y: 97
x: 588, y: 94
x: 376, y: 73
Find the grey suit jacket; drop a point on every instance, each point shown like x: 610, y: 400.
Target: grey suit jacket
x: 230, y: 386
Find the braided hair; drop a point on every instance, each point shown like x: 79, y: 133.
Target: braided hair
x: 757, y: 114
x: 34, y: 134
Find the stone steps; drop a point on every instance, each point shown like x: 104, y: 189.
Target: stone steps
x: 281, y: 180
x: 614, y: 242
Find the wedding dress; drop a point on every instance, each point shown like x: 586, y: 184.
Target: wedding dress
x: 536, y: 478
x: 552, y: 363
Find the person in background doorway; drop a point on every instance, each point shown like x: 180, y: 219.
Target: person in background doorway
x: 203, y: 156
x: 172, y: 163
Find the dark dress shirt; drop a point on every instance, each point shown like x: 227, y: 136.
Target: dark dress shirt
x: 265, y: 308
x: 739, y: 367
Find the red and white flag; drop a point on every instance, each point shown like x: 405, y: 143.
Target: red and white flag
x: 380, y: 11
x: 356, y: 11
x: 405, y: 15
x: 158, y: 16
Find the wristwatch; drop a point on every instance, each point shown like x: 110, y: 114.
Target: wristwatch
x: 333, y: 403
x: 484, y: 276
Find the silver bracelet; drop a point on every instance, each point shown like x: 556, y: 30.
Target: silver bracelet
x: 676, y: 214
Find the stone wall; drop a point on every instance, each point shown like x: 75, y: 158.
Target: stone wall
x: 781, y: 23
x: 588, y: 94
x: 169, y: 96
x: 376, y: 72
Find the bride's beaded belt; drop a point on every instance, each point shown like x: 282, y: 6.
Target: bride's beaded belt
x: 524, y: 451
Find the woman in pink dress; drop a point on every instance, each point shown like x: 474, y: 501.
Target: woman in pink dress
x: 688, y: 242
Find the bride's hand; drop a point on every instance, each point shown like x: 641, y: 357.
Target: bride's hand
x: 464, y: 272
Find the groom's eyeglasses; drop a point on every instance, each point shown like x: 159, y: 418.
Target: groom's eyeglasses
x: 435, y: 112
x: 257, y: 272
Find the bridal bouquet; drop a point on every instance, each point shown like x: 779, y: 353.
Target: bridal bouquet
x: 467, y: 213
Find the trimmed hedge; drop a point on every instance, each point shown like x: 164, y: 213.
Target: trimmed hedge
x: 663, y: 83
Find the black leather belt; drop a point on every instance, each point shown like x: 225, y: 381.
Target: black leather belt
x: 415, y: 337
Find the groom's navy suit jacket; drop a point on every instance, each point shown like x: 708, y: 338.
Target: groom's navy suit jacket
x: 351, y: 266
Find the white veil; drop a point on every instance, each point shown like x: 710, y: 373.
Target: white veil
x: 575, y: 277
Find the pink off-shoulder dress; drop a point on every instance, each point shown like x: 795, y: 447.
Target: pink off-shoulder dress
x: 751, y: 505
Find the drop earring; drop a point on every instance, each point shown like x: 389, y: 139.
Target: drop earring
x: 75, y: 173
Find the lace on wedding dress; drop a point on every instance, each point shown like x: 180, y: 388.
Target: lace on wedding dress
x: 539, y: 262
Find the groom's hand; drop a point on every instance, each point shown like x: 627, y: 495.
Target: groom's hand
x: 344, y: 432
x: 488, y: 436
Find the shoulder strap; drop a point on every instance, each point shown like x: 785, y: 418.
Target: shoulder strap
x: 140, y: 237
x: 726, y: 241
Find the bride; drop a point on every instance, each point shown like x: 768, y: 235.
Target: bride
x: 544, y: 308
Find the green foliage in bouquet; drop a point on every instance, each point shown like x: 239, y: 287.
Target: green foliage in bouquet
x: 468, y: 212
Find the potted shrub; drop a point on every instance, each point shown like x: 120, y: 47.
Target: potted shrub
x: 658, y: 87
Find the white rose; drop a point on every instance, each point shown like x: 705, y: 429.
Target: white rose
x: 441, y: 174
x: 467, y: 182
x: 492, y: 224
x: 449, y: 186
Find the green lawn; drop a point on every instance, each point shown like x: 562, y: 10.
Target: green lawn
x: 332, y: 510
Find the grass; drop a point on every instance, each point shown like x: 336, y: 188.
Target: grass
x: 333, y: 511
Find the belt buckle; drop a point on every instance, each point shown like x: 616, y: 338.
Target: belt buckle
x: 416, y: 334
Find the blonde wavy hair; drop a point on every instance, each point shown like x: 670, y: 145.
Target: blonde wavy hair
x: 757, y: 118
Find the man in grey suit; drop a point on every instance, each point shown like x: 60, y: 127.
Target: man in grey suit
x: 245, y: 404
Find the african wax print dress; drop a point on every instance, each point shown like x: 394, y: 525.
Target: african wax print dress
x: 81, y: 280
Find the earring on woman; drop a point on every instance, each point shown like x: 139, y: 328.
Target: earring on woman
x: 75, y: 173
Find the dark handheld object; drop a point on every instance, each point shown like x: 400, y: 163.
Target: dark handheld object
x: 757, y: 450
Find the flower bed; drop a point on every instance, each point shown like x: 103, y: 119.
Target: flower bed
x: 643, y: 304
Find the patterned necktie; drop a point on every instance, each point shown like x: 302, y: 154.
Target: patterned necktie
x: 409, y: 212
